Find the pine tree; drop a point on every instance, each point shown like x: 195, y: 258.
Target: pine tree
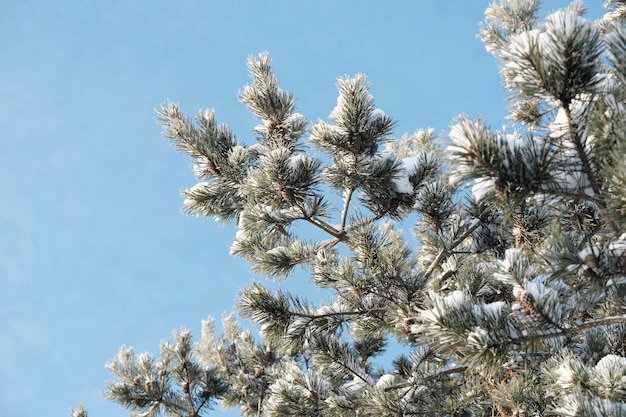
x: 510, y: 299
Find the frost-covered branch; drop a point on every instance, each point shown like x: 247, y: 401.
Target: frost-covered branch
x: 603, y: 322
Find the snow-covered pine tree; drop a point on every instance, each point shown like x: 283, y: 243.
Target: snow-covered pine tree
x: 511, y: 302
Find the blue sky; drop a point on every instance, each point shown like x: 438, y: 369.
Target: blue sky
x: 94, y: 252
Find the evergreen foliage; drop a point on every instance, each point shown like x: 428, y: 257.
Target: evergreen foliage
x: 511, y: 303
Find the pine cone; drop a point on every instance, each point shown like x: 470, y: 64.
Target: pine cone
x: 576, y: 222
x: 526, y: 301
x: 500, y: 190
x: 584, y: 316
x: 393, y: 205
x: 407, y: 323
x: 150, y: 386
x: 435, y: 222
x: 447, y: 274
x: 503, y: 410
x: 517, y: 233
x: 591, y: 261
x: 281, y: 229
x: 212, y: 167
x: 287, y: 195
x: 313, y: 396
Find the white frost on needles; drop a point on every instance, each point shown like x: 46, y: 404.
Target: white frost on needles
x: 296, y: 161
x: 295, y: 119
x: 377, y: 114
x: 402, y: 183
x: 573, y: 178
x: 198, y: 189
x: 385, y: 381
x: 462, y: 135
x: 482, y: 187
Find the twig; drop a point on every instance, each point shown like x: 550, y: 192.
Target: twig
x: 444, y: 252
x: 327, y: 228
x: 346, y: 206
x: 606, y: 321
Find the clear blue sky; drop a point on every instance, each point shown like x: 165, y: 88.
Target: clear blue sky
x: 94, y: 252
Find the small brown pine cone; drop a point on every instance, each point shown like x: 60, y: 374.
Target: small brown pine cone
x: 150, y: 386
x: 287, y: 195
x: 503, y: 410
x: 281, y: 229
x: 435, y: 222
x: 591, y: 261
x: 393, y: 206
x: 576, y: 222
x: 517, y: 233
x: 447, y: 274
x: 584, y: 316
x: 407, y: 323
x: 526, y: 301
x: 500, y: 190
x: 212, y: 167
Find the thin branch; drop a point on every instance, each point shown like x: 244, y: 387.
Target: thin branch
x: 190, y: 399
x: 346, y: 206
x: 320, y: 345
x: 584, y: 159
x: 261, y: 397
x: 443, y: 372
x: 173, y: 405
x: 327, y: 228
x: 445, y: 252
x: 349, y: 369
x: 329, y: 243
x: 607, y: 321
x: 203, y: 403
x: 448, y: 371
x: 340, y: 313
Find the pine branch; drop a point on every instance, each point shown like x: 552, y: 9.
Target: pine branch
x: 338, y: 313
x: 448, y: 371
x: 606, y: 321
x: 327, y: 228
x: 437, y: 374
x: 338, y: 351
